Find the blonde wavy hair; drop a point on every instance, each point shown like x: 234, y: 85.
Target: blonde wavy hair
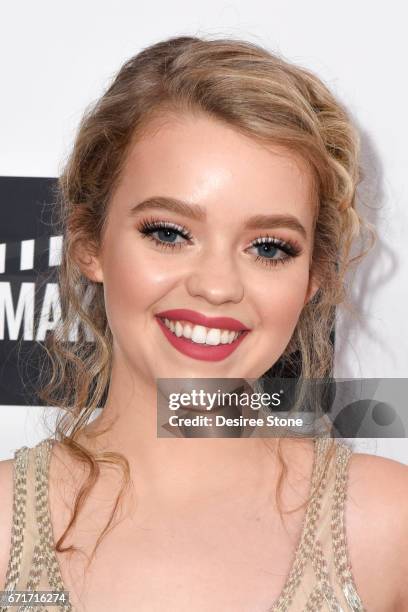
x: 261, y: 95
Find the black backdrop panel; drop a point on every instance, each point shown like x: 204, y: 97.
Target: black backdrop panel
x: 25, y: 232
x: 27, y: 241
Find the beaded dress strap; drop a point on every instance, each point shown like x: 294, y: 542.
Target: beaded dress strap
x: 46, y: 549
x: 341, y: 559
x: 308, y: 534
x: 323, y: 591
x: 43, y: 557
x: 19, y: 519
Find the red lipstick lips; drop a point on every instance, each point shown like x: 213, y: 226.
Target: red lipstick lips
x: 204, y: 352
x: 183, y: 314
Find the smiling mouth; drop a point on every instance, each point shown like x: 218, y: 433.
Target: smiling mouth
x: 199, y: 334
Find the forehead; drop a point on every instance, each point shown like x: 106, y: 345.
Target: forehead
x: 202, y: 160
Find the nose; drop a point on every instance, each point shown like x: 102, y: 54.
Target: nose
x: 215, y: 277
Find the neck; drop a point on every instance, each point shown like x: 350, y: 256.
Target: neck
x: 174, y: 469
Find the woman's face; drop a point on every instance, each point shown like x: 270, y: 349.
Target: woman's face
x: 236, y: 243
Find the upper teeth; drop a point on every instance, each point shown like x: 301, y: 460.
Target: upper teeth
x: 201, y: 334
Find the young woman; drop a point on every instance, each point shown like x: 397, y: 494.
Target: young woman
x: 217, y: 178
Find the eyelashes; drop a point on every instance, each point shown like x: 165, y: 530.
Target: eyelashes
x: 149, y: 227
x: 268, y: 245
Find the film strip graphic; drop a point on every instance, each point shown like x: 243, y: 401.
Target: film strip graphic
x: 29, y: 307
x: 21, y: 256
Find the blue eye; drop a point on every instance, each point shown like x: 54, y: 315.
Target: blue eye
x: 167, y: 235
x: 268, y: 250
x: 268, y: 246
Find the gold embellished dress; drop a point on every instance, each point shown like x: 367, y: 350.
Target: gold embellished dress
x: 320, y: 578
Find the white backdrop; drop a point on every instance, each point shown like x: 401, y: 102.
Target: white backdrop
x: 56, y: 57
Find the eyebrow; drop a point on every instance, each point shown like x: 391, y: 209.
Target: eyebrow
x: 198, y: 213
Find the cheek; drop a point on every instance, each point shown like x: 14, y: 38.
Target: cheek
x: 130, y: 288
x: 282, y: 299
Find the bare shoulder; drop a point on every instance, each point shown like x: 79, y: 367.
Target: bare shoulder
x: 376, y: 518
x: 6, y: 515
